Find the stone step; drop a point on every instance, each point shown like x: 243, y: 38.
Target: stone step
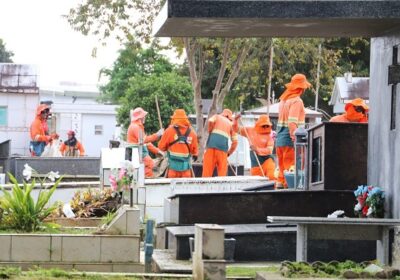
x: 259, y: 242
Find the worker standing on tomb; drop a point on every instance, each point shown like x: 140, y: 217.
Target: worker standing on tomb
x: 291, y: 116
x: 221, y: 129
x: 180, y: 143
x: 136, y: 135
x: 261, y: 147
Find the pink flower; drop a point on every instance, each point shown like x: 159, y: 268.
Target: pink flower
x: 122, y: 173
x: 113, y: 182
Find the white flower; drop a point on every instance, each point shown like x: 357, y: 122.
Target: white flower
x: 53, y: 175
x: 357, y: 207
x: 370, y: 211
x: 128, y: 166
x: 27, y: 172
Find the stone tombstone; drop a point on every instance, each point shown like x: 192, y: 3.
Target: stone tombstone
x: 208, y: 257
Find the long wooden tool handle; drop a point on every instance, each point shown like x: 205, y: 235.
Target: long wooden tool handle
x: 158, y: 113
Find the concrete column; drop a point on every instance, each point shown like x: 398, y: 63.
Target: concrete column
x: 208, y: 256
x: 301, y: 243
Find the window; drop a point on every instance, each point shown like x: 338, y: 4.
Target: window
x: 3, y: 116
x: 98, y: 130
x: 316, y: 160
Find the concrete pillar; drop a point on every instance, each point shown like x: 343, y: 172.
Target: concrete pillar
x: 208, y: 256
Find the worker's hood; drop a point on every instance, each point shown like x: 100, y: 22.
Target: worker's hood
x: 263, y: 125
x: 180, y: 118
x: 352, y: 115
x: 41, y: 108
x: 296, y: 87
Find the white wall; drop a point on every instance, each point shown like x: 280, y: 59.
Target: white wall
x: 21, y: 110
x: 92, y: 142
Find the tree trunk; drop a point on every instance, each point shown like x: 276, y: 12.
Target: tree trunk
x: 219, y: 92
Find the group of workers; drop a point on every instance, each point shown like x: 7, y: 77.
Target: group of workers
x: 40, y: 136
x: 179, y: 141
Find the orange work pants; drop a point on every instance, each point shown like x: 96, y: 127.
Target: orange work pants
x: 179, y: 174
x: 215, y: 158
x: 268, y: 167
x: 285, y: 160
x: 148, y: 166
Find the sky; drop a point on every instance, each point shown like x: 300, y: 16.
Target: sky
x: 38, y: 34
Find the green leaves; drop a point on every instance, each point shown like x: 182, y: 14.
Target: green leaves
x: 5, y: 55
x: 20, y: 210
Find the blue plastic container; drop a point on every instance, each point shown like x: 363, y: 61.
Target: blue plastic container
x: 289, y: 177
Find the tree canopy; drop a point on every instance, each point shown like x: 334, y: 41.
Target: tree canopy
x: 5, y: 55
x: 137, y: 77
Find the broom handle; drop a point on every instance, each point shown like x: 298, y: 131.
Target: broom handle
x: 158, y: 113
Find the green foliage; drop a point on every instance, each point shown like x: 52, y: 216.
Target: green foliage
x: 133, y: 60
x: 107, y: 219
x: 248, y: 271
x: 52, y: 272
x: 5, y: 55
x: 173, y: 92
x: 21, y: 211
x: 138, y: 75
x: 333, y: 269
x: 8, y: 272
x: 298, y: 55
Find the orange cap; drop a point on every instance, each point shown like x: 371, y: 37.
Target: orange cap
x: 263, y: 120
x: 227, y: 113
x: 298, y: 81
x: 41, y: 108
x: 357, y: 102
x: 138, y: 113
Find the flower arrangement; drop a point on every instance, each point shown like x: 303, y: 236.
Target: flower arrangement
x: 122, y: 178
x: 370, y: 201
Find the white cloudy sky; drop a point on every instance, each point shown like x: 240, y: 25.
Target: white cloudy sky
x: 37, y: 34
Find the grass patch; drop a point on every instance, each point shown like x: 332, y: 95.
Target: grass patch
x: 249, y: 271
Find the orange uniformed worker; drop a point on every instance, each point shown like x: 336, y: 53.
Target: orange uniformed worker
x: 136, y: 131
x: 180, y: 142
x: 221, y: 129
x: 72, y: 147
x: 291, y: 116
x: 39, y: 130
x: 261, y: 145
x: 356, y: 111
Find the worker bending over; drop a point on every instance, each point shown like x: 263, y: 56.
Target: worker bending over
x: 136, y: 135
x: 356, y: 111
x: 180, y: 142
x: 221, y: 129
x: 72, y: 147
x: 261, y: 146
x: 39, y: 131
x: 291, y: 116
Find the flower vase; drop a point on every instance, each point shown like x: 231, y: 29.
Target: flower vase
x: 121, y: 198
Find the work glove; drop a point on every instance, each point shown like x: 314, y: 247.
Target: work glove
x: 194, y: 158
x: 160, y: 132
x: 253, y: 148
x: 238, y: 116
x: 160, y: 153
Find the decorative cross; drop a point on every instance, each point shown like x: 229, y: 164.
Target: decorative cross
x: 394, y: 79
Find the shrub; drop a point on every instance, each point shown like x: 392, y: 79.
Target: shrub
x: 20, y: 211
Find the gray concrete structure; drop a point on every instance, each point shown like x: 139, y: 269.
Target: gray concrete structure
x: 278, y: 18
x: 384, y: 140
x: 378, y: 19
